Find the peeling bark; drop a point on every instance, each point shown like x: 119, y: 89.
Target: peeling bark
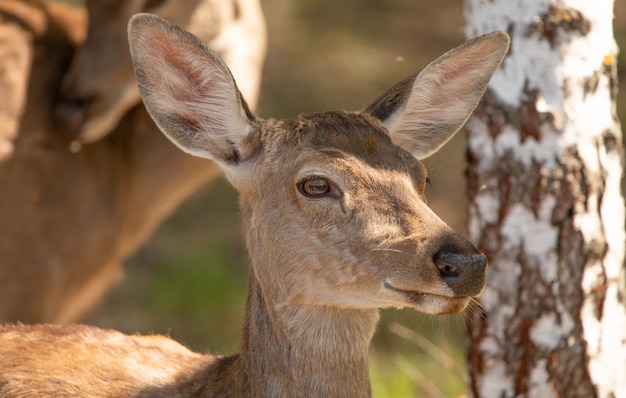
x: 545, y: 159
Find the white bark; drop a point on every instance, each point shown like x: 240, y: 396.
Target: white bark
x: 545, y: 203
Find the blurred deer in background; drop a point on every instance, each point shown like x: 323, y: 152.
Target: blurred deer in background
x: 336, y: 224
x: 72, y: 212
x: 100, y: 85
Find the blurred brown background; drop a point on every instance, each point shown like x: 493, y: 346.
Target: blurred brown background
x: 189, y: 281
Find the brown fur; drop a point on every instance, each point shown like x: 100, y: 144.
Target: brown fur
x: 322, y: 261
x: 70, y: 215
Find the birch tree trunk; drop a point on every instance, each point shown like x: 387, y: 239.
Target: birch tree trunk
x: 545, y: 162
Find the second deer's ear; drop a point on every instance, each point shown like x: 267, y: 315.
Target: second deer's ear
x: 189, y: 91
x: 425, y: 110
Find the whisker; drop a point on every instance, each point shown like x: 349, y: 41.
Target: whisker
x: 474, y: 311
x: 391, y: 250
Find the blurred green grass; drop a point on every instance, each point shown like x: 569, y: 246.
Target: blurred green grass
x: 189, y: 281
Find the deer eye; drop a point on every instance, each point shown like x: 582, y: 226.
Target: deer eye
x: 315, y: 187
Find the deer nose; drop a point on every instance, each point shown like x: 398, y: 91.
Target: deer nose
x: 463, y: 270
x: 71, y: 113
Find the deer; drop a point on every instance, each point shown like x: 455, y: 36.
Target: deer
x: 73, y: 210
x: 336, y: 225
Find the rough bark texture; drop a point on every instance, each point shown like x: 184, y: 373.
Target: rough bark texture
x: 545, y: 161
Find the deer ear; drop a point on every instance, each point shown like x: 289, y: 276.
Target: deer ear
x: 189, y: 91
x: 425, y: 110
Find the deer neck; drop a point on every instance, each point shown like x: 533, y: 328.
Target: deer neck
x: 297, y: 350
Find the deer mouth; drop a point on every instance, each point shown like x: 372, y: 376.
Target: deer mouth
x: 431, y: 303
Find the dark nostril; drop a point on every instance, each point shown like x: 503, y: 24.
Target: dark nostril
x: 452, y: 265
x: 448, y: 264
x: 462, y: 269
x: 72, y: 113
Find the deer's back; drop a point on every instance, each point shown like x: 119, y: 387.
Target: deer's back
x: 100, y: 362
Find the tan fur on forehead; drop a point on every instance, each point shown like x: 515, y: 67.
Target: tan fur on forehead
x: 358, y: 133
x: 350, y: 123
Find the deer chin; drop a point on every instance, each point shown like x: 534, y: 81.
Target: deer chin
x: 97, y: 127
x: 104, y: 113
x: 430, y: 303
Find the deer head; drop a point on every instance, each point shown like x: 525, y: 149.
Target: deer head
x: 333, y: 203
